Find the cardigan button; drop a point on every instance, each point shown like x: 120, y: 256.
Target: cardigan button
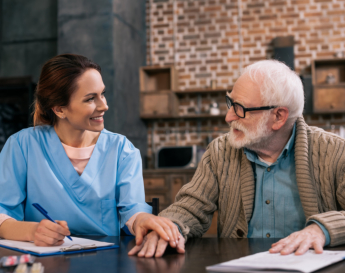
x: 268, y: 235
x: 240, y: 232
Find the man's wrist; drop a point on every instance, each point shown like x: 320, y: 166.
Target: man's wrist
x: 179, y: 229
x: 323, y: 229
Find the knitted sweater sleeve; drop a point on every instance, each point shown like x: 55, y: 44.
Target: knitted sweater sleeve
x: 334, y: 192
x: 196, y: 201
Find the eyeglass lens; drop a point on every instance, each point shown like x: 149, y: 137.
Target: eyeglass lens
x: 239, y: 111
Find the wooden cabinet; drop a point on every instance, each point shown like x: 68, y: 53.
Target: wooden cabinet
x: 155, y: 78
x: 165, y: 184
x: 329, y: 85
x: 157, y: 104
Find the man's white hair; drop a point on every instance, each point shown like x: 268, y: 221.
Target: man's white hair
x: 279, y: 86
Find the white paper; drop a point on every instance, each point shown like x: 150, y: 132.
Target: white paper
x: 30, y: 246
x: 259, y: 262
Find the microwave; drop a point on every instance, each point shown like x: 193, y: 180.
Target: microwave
x: 183, y: 157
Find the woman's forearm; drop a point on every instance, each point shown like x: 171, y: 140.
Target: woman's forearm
x: 12, y: 229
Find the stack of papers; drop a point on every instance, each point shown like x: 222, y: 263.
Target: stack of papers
x: 265, y: 261
x: 76, y: 246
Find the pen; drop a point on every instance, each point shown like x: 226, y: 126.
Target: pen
x: 45, y: 213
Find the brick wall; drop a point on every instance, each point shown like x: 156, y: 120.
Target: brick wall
x: 201, y: 38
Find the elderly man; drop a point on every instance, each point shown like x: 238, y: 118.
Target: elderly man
x: 271, y: 176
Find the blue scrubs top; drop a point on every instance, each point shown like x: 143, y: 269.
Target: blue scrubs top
x: 34, y: 168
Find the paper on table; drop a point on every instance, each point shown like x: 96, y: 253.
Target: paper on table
x: 260, y: 262
x: 30, y: 246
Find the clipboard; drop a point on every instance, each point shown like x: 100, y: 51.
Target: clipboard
x: 78, y: 245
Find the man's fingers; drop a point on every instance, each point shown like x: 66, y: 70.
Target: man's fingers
x: 142, y: 252
x: 181, y: 246
x: 151, y: 245
x: 162, y: 245
x: 291, y: 247
x: 135, y: 250
x: 303, y: 247
x: 278, y: 246
x: 318, y: 247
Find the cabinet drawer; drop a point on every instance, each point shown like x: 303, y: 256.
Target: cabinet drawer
x: 154, y: 182
x: 329, y: 99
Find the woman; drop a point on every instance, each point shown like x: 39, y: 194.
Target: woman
x: 68, y: 163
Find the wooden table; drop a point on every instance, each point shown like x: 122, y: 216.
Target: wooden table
x: 200, y: 252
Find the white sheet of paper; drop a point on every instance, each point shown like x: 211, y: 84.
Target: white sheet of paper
x: 260, y: 262
x: 30, y: 246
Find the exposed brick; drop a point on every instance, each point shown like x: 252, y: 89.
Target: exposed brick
x: 278, y: 3
x: 257, y: 31
x: 212, y: 8
x: 301, y: 28
x: 324, y: 26
x: 256, y: 5
x: 202, y: 22
x: 325, y: 54
x: 300, y: 2
x: 312, y: 14
x: 255, y: 59
x: 224, y: 74
x: 248, y: 18
x: 193, y: 63
x: 268, y: 17
x: 189, y: 37
x: 214, y: 61
x: 225, y: 47
x: 231, y: 33
x: 233, y: 60
x: 203, y: 48
x: 290, y: 15
x: 336, y: 12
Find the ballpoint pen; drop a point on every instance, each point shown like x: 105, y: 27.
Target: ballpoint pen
x: 45, y: 213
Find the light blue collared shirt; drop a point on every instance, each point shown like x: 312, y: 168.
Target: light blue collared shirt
x: 278, y: 210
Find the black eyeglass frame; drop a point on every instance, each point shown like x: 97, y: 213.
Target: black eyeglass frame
x: 229, y: 103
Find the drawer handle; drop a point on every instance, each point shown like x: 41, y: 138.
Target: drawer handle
x: 149, y: 183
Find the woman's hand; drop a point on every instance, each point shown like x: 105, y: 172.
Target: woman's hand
x: 48, y: 233
x: 166, y: 229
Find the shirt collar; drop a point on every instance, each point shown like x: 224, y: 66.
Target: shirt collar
x: 252, y: 156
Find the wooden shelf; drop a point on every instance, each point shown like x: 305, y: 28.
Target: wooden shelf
x: 191, y: 91
x: 201, y: 91
x: 196, y: 116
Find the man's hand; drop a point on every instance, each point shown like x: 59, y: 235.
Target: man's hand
x: 153, y: 245
x: 310, y: 237
x: 166, y: 229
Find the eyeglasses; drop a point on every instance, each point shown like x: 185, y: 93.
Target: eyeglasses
x: 240, y: 110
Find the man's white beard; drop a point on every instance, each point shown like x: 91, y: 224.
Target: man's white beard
x: 255, y: 139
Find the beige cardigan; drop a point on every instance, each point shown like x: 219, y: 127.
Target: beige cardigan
x: 224, y: 181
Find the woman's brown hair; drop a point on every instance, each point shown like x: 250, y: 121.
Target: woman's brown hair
x: 57, y: 82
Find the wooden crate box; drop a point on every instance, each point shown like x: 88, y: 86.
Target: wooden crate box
x: 329, y: 99
x: 328, y: 77
x: 163, y: 103
x: 158, y: 78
